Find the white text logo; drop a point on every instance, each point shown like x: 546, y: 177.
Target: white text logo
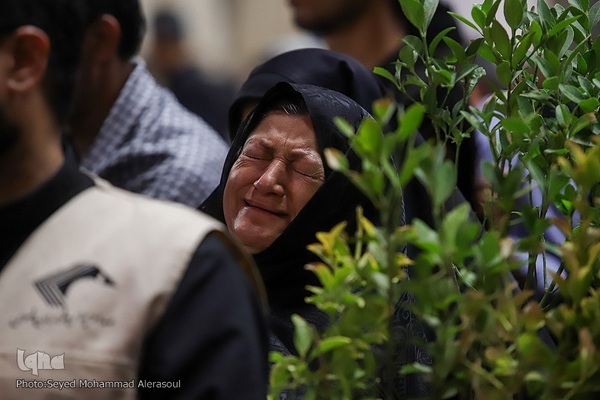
x: 39, y: 360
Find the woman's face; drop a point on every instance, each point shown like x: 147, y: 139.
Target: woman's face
x: 277, y: 172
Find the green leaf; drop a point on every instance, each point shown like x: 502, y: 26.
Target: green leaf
x: 513, y: 12
x: 544, y: 12
x: 453, y: 222
x: 471, y: 71
x: 414, y: 42
x: 336, y: 160
x: 491, y: 14
x: 465, y: 21
x: 516, y: 124
x: 535, y: 29
x: 384, y: 73
x: 344, y: 126
x: 571, y: 93
x: 568, y: 35
x: 457, y: 49
x: 474, y: 47
x: 586, y: 84
x: 487, y: 52
x: 416, y: 368
x: 430, y: 7
x: 504, y: 73
x: 563, y: 115
x: 438, y: 38
x: 445, y: 182
x: 411, y: 120
x: 584, y: 121
x: 408, y: 56
x: 558, y: 28
x: 413, y: 159
x: 413, y: 10
x: 582, y: 5
x: 302, y: 335
x: 544, y: 66
x: 427, y: 238
x: 479, y: 17
x: 333, y: 342
x: 551, y: 83
x: 368, y: 139
x: 589, y: 105
x: 501, y: 40
x: 522, y: 49
x: 594, y: 14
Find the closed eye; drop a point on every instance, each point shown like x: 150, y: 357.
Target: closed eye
x: 315, y: 175
x: 310, y: 171
x: 256, y: 156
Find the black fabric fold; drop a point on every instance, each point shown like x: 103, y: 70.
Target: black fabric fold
x: 21, y: 217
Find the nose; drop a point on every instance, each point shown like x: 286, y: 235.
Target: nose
x: 272, y: 179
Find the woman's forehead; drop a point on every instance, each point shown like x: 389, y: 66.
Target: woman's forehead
x: 279, y: 128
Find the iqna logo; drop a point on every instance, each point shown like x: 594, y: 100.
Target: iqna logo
x: 39, y: 360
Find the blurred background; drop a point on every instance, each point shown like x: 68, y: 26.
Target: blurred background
x: 227, y: 38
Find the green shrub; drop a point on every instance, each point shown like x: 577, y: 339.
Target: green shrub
x: 487, y: 333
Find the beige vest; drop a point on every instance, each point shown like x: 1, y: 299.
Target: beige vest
x: 81, y: 293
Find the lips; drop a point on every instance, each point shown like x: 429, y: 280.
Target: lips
x: 264, y: 208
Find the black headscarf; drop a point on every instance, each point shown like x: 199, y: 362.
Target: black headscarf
x: 282, y: 264
x: 319, y: 67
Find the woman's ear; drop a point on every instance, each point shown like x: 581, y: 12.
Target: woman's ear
x: 30, y: 50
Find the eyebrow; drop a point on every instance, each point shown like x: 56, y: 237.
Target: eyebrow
x: 290, y: 154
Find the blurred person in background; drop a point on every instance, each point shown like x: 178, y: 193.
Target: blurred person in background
x: 371, y: 31
x: 170, y: 62
x: 128, y: 129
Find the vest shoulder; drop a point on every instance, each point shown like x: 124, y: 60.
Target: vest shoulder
x: 140, y: 206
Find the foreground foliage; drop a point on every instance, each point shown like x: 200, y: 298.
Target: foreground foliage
x: 491, y: 339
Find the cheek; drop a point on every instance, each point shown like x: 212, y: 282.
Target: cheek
x: 233, y: 193
x: 230, y: 207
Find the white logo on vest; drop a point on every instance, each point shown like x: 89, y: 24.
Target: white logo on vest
x: 39, y: 360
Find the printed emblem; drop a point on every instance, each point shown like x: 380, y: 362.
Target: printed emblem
x: 54, y: 288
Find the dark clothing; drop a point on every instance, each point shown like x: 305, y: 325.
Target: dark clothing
x: 224, y: 359
x: 467, y: 164
x: 19, y: 219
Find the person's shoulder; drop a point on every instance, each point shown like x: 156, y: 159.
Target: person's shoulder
x: 168, y: 113
x: 154, y: 214
x: 159, y: 110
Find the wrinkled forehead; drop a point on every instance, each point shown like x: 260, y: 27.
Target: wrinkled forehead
x: 279, y: 131
x: 323, y: 107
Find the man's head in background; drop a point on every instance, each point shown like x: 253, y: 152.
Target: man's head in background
x: 325, y: 17
x: 40, y: 43
x: 114, y: 30
x: 368, y: 30
x: 129, y: 17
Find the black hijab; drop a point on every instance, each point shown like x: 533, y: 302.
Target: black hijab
x: 319, y: 67
x: 282, y: 264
